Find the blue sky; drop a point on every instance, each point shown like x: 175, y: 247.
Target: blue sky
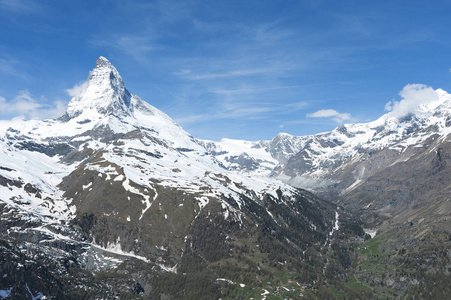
x: 236, y: 69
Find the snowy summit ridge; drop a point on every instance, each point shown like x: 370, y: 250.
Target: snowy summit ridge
x: 103, y: 92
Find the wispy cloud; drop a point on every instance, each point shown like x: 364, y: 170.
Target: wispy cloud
x: 49, y: 111
x: 20, y: 6
x: 271, y: 34
x: 330, y: 113
x: 254, y: 112
x: 253, y: 90
x: 23, y: 105
x: 242, y: 111
x: 297, y: 105
x: 230, y: 74
x: 137, y: 47
x: 10, y: 66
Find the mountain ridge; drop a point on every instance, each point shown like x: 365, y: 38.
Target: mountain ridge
x: 313, y: 161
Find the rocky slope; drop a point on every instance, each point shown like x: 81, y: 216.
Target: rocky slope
x: 115, y: 200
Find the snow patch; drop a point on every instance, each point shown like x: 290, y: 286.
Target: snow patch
x: 169, y: 269
x: 116, y: 248
x: 5, y: 293
x: 203, y: 201
x: 371, y: 232
x: 119, y: 178
x: 226, y: 280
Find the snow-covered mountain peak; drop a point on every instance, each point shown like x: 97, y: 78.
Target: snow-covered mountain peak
x: 103, y: 93
x: 103, y: 61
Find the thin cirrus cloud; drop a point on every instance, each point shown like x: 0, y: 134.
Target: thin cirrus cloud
x: 254, y: 90
x: 331, y: 114
x: 10, y: 66
x: 237, y: 73
x: 240, y: 111
x: 135, y: 46
x: 230, y: 111
x: 20, y: 6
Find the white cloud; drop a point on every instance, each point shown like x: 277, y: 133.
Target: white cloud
x: 24, y: 106
x: 389, y: 106
x: 77, y: 89
x: 56, y: 110
x: 330, y: 113
x: 23, y: 103
x: 413, y: 95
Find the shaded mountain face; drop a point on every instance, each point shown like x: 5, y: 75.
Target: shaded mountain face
x: 115, y: 200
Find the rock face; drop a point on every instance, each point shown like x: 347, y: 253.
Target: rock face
x: 115, y: 200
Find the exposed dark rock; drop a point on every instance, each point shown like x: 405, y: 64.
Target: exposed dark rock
x: 48, y: 149
x: 10, y: 182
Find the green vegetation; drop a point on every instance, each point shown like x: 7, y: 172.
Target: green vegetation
x: 282, y: 285
x: 357, y: 286
x: 372, y: 248
x: 390, y: 268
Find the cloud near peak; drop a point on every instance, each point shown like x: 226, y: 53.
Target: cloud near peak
x: 330, y: 113
x: 413, y: 96
x: 77, y: 89
x: 23, y: 105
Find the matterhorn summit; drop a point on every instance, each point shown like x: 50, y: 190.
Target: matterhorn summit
x: 103, y: 103
x: 103, y: 92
